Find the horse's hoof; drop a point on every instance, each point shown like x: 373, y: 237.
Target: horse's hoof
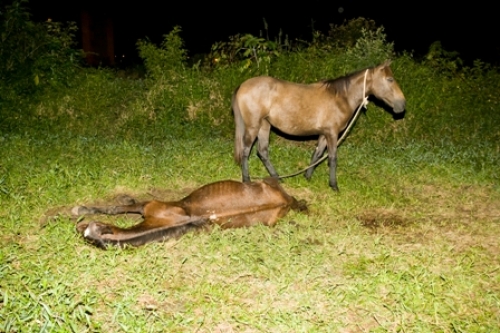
x: 335, y: 188
x: 94, y: 231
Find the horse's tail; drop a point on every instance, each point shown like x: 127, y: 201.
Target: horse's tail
x: 239, y: 130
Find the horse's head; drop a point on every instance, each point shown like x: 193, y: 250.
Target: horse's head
x: 385, y: 87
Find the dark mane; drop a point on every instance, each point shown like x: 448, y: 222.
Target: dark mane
x: 340, y: 84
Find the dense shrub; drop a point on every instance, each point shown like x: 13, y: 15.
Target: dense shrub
x: 34, y: 56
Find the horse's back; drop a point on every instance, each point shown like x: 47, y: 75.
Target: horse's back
x: 258, y: 81
x: 237, y: 204
x: 265, y: 84
x: 232, y: 194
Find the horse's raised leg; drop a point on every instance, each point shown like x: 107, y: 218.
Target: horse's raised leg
x: 248, y: 140
x: 320, y: 149
x: 137, y: 208
x: 263, y: 149
x: 161, y: 221
x: 331, y: 142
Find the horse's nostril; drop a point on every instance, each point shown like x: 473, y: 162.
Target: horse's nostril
x: 399, y: 106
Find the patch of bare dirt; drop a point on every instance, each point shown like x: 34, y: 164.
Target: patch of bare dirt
x: 464, y: 217
x: 382, y: 218
x: 437, y: 205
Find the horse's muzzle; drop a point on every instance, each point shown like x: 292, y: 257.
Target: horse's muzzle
x: 399, y: 106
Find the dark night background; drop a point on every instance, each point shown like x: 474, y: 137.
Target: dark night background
x: 470, y: 29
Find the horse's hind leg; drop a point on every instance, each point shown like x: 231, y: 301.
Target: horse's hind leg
x: 137, y: 208
x: 320, y: 149
x: 263, y: 152
x: 248, y: 140
x: 332, y: 160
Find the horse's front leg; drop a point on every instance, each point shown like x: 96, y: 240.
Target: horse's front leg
x: 318, y: 153
x: 331, y: 142
x: 263, y: 151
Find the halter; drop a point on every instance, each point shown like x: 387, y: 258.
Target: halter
x: 364, y: 103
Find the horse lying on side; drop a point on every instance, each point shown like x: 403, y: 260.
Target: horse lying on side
x: 230, y: 204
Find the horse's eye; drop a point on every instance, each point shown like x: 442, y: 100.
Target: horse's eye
x: 390, y: 79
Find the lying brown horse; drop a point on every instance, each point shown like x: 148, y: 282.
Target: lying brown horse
x: 324, y: 108
x: 228, y: 203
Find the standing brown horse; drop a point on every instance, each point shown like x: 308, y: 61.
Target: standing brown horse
x: 323, y: 108
x: 228, y: 203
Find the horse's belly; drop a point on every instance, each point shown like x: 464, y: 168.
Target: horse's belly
x: 241, y: 211
x: 293, y: 125
x: 267, y: 217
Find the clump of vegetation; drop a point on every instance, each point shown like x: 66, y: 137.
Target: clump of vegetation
x: 34, y: 56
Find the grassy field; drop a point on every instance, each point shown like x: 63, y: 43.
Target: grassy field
x: 410, y: 244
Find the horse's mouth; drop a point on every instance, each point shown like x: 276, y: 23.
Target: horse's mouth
x: 399, y: 106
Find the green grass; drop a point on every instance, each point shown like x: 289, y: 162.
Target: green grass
x: 409, y: 244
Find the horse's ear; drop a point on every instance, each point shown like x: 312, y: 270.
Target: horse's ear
x: 387, y: 63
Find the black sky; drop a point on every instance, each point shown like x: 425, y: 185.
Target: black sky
x: 469, y: 29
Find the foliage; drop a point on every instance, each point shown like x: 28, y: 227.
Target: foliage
x: 445, y: 62
x: 167, y: 60
x: 355, y: 44
x: 175, y: 93
x: 346, y: 35
x: 371, y: 47
x: 34, y: 56
x: 244, y: 50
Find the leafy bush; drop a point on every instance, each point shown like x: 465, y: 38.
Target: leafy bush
x: 370, y: 48
x: 167, y: 60
x: 443, y: 61
x: 34, y: 56
x: 244, y: 50
x: 177, y: 96
x: 346, y: 35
